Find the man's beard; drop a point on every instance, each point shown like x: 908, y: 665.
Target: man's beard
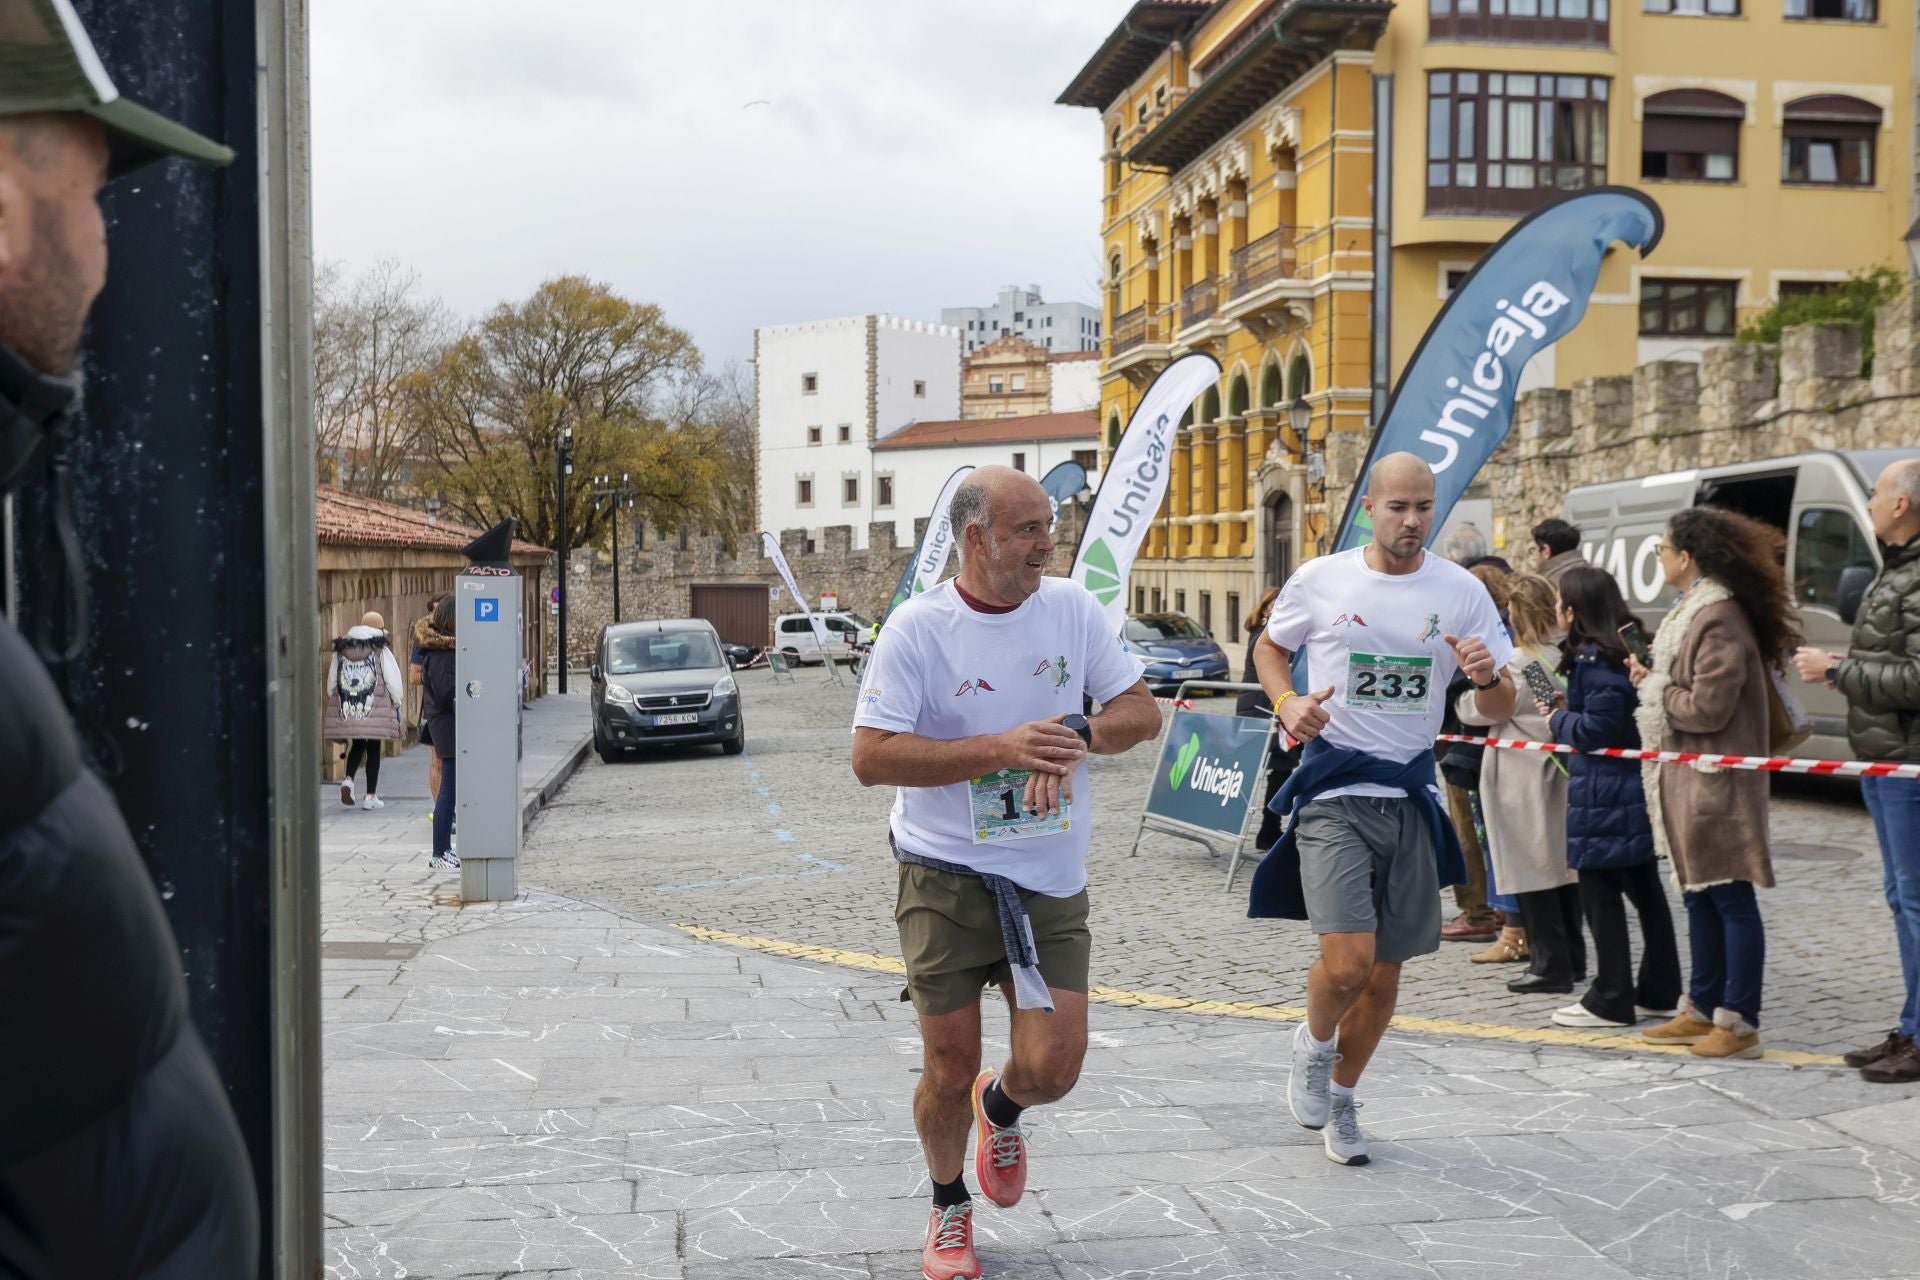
x: 44, y: 316
x: 1393, y: 549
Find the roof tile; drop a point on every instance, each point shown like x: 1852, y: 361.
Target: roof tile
x: 1078, y: 424
x: 349, y: 520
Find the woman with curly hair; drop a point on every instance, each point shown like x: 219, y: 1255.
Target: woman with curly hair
x: 1707, y: 690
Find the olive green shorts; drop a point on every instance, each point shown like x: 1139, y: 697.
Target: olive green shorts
x: 950, y: 939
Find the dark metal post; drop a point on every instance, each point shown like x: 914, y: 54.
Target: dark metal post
x: 617, y: 495
x: 563, y: 466
x: 616, y: 562
x: 193, y: 485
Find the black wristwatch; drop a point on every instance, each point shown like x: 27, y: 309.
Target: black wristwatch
x: 1078, y: 723
x: 1485, y: 688
x: 1833, y: 675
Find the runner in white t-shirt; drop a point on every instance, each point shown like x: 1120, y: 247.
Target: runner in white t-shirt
x: 971, y: 706
x: 1384, y: 628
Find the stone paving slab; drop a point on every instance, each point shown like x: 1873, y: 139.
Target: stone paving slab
x: 571, y: 1089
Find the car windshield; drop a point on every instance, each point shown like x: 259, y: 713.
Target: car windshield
x: 1163, y: 626
x: 662, y: 651
x: 858, y: 622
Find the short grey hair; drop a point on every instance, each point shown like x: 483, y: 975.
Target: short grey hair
x: 969, y: 506
x: 1904, y: 482
x: 1465, y: 545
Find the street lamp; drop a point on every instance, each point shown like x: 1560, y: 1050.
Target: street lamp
x: 563, y: 467
x: 619, y: 495
x: 433, y: 510
x: 1300, y: 417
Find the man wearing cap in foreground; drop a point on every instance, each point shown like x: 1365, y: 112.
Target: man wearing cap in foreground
x: 119, y: 1153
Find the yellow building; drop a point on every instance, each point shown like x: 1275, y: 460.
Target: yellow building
x: 1777, y: 138
x: 1294, y: 185
x: 1008, y: 378
x: 1237, y: 220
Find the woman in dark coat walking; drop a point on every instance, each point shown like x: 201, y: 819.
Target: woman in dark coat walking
x: 437, y: 713
x: 1609, y: 837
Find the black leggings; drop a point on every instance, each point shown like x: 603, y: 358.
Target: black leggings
x: 367, y: 749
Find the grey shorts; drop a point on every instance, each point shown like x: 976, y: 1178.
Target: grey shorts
x: 1367, y: 866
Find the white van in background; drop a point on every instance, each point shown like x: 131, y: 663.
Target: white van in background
x: 1819, y: 500
x: 793, y: 637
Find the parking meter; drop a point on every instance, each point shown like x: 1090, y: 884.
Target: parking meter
x: 487, y: 656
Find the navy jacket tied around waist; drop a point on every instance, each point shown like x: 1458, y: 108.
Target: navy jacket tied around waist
x: 1276, y: 891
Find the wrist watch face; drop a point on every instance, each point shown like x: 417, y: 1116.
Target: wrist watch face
x: 1079, y: 725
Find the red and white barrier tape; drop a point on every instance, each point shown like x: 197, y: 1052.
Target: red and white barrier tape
x: 1764, y: 764
x: 1178, y: 704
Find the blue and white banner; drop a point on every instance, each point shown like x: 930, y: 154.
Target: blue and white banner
x: 771, y: 546
x: 1062, y: 482
x: 929, y: 559
x: 1135, y: 482
x: 1454, y: 404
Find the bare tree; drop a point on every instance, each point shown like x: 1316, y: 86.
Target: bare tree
x: 373, y: 335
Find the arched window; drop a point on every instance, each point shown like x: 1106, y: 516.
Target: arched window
x: 1113, y: 432
x: 1186, y: 419
x: 1113, y: 160
x: 1691, y: 135
x: 1210, y: 405
x: 1828, y: 140
x: 1237, y: 396
x: 1270, y: 385
x: 1299, y: 377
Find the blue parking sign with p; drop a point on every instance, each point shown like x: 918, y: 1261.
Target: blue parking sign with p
x: 486, y: 610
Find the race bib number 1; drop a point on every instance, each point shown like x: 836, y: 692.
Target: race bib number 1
x: 1384, y: 682
x: 997, y: 816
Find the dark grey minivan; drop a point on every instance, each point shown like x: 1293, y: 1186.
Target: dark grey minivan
x: 664, y: 681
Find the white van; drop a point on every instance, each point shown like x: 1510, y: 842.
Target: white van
x: 1819, y: 500
x: 793, y: 637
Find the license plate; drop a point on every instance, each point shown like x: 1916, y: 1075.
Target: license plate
x: 678, y: 717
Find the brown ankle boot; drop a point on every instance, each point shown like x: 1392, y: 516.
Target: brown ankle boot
x: 1688, y: 1026
x: 1732, y: 1037
x: 1509, y: 947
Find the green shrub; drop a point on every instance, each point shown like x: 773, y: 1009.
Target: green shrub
x: 1853, y: 301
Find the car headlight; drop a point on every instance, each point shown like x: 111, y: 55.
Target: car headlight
x: 619, y: 693
x: 723, y: 686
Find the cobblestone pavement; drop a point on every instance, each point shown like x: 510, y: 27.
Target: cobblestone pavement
x: 572, y: 1090
x: 783, y: 843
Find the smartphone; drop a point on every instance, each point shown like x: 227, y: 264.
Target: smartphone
x: 1637, y: 642
x: 1544, y: 689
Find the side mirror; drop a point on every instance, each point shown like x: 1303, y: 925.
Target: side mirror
x: 594, y: 672
x: 1854, y: 581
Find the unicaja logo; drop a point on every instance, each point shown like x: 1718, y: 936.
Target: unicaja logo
x: 1216, y: 779
x: 1138, y: 496
x: 1102, y: 573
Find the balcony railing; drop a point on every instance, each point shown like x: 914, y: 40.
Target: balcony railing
x: 1262, y: 261
x: 1198, y: 302
x: 1134, y: 328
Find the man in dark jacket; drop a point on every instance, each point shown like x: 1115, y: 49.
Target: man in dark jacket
x: 119, y: 1153
x: 1880, y: 676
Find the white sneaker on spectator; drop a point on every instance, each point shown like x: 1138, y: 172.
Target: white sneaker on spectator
x: 1578, y: 1015
x: 1308, y: 1080
x: 373, y: 802
x: 1346, y: 1143
x: 346, y: 792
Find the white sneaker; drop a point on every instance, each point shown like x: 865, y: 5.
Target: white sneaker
x: 373, y: 802
x: 1308, y: 1080
x: 346, y: 792
x: 1346, y: 1143
x: 444, y: 860
x: 1578, y: 1015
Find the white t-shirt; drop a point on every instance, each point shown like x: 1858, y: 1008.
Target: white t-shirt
x: 1376, y: 638
x: 942, y: 669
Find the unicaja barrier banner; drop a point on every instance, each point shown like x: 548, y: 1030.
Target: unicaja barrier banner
x: 1454, y: 404
x: 771, y: 545
x: 1135, y: 482
x: 929, y: 559
x: 1210, y: 769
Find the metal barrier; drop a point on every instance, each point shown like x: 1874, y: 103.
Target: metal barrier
x: 1211, y: 839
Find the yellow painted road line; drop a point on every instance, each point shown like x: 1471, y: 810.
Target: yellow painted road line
x: 1561, y: 1036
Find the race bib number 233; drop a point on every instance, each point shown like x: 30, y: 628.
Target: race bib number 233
x: 1386, y: 682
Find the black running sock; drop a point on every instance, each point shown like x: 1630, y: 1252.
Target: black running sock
x: 1003, y: 1111
x: 948, y: 1194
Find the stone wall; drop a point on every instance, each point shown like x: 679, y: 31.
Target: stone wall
x: 657, y: 581
x: 1741, y: 403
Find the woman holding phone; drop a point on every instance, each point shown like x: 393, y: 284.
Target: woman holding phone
x: 1523, y: 795
x: 1708, y: 690
x: 1609, y: 840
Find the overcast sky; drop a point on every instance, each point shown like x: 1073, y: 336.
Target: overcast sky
x: 908, y: 155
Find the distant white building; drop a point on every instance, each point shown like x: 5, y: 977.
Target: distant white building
x: 1076, y: 381
x: 915, y: 461
x: 1055, y: 326
x: 826, y: 390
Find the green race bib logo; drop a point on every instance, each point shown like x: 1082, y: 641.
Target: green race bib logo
x: 1103, y: 575
x: 1183, y: 761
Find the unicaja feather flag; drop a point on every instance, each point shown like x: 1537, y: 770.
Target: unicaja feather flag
x: 936, y: 544
x: 1454, y: 404
x: 1135, y: 482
